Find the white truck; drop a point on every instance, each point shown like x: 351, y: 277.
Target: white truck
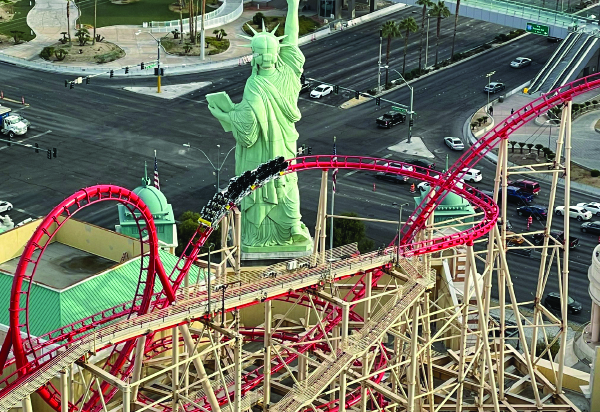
x: 12, y: 124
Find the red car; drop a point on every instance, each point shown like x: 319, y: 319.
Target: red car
x: 526, y: 186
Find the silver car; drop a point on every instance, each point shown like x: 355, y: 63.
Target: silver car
x: 454, y: 143
x: 520, y: 62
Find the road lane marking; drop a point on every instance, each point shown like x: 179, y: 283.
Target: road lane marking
x: 28, y: 138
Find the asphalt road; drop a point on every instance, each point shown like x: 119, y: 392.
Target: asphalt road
x: 104, y: 134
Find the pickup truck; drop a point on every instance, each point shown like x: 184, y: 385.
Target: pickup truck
x: 390, y: 119
x: 12, y: 124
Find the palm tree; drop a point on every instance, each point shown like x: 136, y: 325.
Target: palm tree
x: 455, y: 24
x: 425, y: 4
x: 389, y: 29
x: 439, y: 11
x: 407, y: 25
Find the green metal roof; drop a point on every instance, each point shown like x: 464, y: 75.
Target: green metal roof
x: 51, y: 309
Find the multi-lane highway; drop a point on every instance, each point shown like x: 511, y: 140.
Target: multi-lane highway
x: 104, y: 133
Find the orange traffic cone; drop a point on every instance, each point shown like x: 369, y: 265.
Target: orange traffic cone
x: 412, y: 188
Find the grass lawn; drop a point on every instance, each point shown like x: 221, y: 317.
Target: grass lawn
x: 19, y: 20
x: 137, y: 12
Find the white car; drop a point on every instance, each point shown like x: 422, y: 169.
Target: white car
x: 593, y: 207
x: 472, y: 175
x: 520, y: 62
x: 5, y: 206
x: 578, y: 212
x: 320, y: 91
x: 424, y: 186
x: 454, y: 143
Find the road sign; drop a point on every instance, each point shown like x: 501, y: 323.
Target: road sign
x: 400, y: 109
x: 150, y: 65
x: 538, y: 29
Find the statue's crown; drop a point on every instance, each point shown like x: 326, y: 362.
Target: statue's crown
x: 264, y: 38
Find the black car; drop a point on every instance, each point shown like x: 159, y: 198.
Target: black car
x: 538, y: 238
x: 591, y: 227
x: 421, y: 162
x: 305, y: 87
x: 552, y: 301
x: 537, y: 212
x: 390, y: 119
x: 392, y: 177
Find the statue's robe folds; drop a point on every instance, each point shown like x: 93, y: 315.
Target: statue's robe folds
x: 263, y: 125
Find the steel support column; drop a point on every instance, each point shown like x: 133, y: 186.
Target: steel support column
x: 126, y: 398
x: 64, y: 390
x: 267, y: 356
x: 237, y: 360
x: 175, y: 371
x: 137, y: 364
x: 413, y: 367
x: 364, y: 389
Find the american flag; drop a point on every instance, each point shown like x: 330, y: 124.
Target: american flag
x: 156, y: 180
x: 334, y: 159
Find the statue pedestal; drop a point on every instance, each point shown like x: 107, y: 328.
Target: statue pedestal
x: 284, y: 252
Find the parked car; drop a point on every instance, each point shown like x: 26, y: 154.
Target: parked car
x: 516, y: 196
x: 591, y: 227
x: 552, y: 39
x: 538, y: 238
x: 494, y: 87
x: 520, y: 62
x: 391, y: 177
x: 390, y: 119
x: 578, y: 212
x: 593, y: 207
x: 423, y: 186
x: 526, y: 186
x: 320, y: 91
x: 305, y: 86
x: 5, y: 206
x: 454, y: 143
x: 552, y: 301
x: 421, y: 162
x: 537, y: 212
x: 472, y: 175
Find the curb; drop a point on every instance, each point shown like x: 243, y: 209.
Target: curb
x: 432, y: 72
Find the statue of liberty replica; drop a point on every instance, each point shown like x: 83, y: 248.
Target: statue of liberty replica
x: 263, y: 125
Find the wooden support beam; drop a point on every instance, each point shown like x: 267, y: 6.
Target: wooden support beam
x: 102, y: 374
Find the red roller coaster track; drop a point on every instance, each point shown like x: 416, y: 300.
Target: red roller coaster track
x: 32, y: 353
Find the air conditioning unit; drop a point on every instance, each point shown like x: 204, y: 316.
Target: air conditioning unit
x: 292, y: 265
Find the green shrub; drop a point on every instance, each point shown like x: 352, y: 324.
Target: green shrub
x: 47, y: 52
x: 416, y: 72
x: 551, y: 156
x: 595, y: 173
x: 109, y: 57
x: 587, y: 104
x: 487, y: 46
x: 408, y: 76
x: 258, y: 18
x: 60, y: 54
x: 594, y: 101
x: 501, y: 37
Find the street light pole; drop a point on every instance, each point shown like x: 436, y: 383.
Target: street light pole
x: 399, y: 227
x: 489, y: 76
x: 158, y: 45
x: 410, y: 121
x: 427, y: 40
x: 219, y: 165
x: 379, y: 62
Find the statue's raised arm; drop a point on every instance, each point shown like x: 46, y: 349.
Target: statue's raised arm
x: 291, y: 23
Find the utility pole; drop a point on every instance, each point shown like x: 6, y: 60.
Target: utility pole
x: 180, y: 21
x: 379, y: 63
x: 69, y: 23
x: 489, y: 75
x: 202, y: 33
x: 95, y: 9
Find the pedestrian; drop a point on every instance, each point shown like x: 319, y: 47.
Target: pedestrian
x: 512, y: 111
x: 491, y: 111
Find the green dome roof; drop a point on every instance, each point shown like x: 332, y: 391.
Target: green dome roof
x: 452, y: 199
x: 153, y: 198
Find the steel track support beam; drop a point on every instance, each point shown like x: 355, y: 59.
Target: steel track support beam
x: 175, y: 371
x: 345, y: 324
x: 368, y: 279
x: 319, y: 241
x: 126, y: 398
x: 202, y: 376
x: 464, y: 327
x: 237, y: 222
x: 267, y: 356
x: 26, y: 404
x: 64, y: 390
x: 565, y: 269
x: 102, y: 374
x: 137, y: 365
x: 237, y: 360
x: 342, y: 400
x: 428, y: 353
x: 412, y: 368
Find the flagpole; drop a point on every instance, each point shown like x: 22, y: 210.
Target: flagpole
x: 332, y: 201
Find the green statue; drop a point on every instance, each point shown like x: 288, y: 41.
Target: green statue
x: 263, y: 125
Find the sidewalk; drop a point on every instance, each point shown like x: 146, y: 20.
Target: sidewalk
x: 48, y: 20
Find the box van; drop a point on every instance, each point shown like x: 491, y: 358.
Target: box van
x: 526, y: 186
x: 472, y: 175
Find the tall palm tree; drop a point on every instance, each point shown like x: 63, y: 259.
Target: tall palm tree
x: 425, y: 4
x: 389, y: 29
x: 439, y: 11
x: 408, y: 25
x: 455, y: 24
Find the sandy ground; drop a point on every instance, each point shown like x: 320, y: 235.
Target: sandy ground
x: 79, y: 54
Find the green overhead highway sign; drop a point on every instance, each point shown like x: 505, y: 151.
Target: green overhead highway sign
x: 402, y: 110
x: 538, y: 29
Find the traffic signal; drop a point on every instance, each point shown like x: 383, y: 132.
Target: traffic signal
x: 302, y: 78
x: 87, y: 80
x: 356, y: 94
x: 156, y: 71
x: 126, y: 70
x: 309, y: 151
x: 162, y: 71
x: 54, y: 152
x: 66, y: 83
x: 142, y: 65
x: 336, y: 89
x: 378, y: 101
x: 71, y: 85
x: 49, y: 154
x: 37, y: 148
x: 411, y: 123
x: 111, y: 73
